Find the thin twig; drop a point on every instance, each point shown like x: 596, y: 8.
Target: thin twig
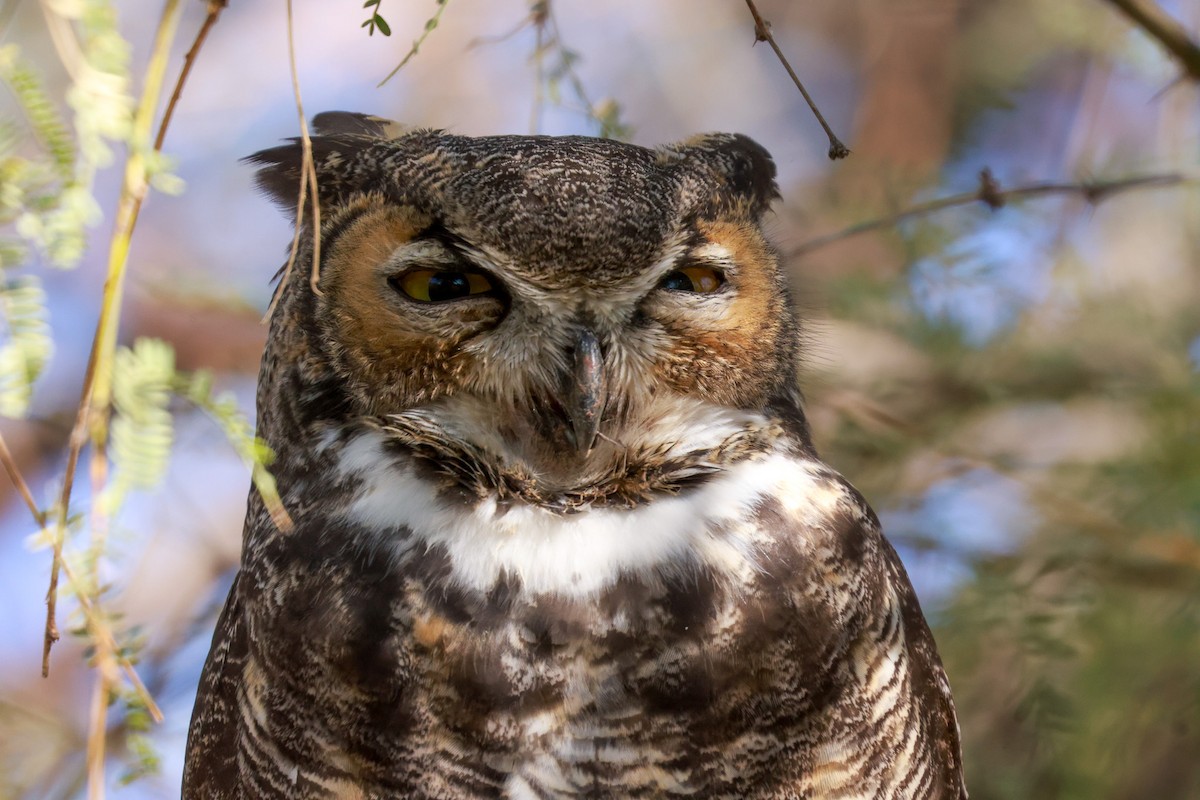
x: 539, y: 67
x: 762, y: 33
x: 308, y: 170
x: 18, y: 481
x: 295, y: 248
x: 66, y: 42
x: 74, y: 446
x: 6, y: 15
x: 549, y: 41
x: 1164, y: 29
x: 215, y: 7
x: 430, y: 25
x: 102, y: 633
x: 314, y: 275
x: 97, y: 733
x: 99, y: 459
x: 990, y: 194
x: 530, y: 19
x: 69, y: 53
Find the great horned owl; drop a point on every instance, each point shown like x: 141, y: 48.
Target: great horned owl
x: 559, y: 527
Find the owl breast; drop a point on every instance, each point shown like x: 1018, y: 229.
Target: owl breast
x: 679, y: 647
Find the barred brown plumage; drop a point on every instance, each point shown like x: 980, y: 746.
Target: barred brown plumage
x: 489, y: 594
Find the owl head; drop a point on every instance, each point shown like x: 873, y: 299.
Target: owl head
x: 550, y: 304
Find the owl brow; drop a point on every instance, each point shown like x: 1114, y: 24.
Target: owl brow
x: 691, y: 241
x: 438, y: 232
x: 699, y: 250
x: 679, y: 246
x: 693, y: 236
x: 456, y: 244
x: 694, y: 245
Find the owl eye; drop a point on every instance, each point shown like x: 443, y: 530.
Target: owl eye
x: 693, y: 279
x: 437, y: 286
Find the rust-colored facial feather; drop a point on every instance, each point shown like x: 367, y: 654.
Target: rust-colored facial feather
x: 732, y: 356
x: 393, y: 351
x: 396, y: 353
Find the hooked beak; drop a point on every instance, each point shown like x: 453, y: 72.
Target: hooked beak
x: 586, y: 392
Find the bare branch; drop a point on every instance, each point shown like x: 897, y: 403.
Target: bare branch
x: 990, y: 194
x: 539, y: 18
x: 430, y: 25
x: 215, y: 7
x: 98, y: 732
x: 1164, y: 29
x: 107, y: 646
x: 18, y: 481
x: 74, y: 446
x: 535, y: 16
x: 308, y: 170
x: 563, y: 69
x: 762, y: 33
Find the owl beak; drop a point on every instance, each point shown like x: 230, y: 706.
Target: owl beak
x: 586, y: 392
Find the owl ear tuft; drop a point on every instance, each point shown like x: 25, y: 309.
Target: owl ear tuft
x: 279, y: 172
x: 336, y: 159
x: 751, y: 170
x: 744, y: 166
x: 349, y: 123
x: 339, y: 141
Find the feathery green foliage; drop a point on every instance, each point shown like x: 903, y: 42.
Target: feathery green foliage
x: 26, y: 346
x: 254, y: 452
x: 142, y: 429
x: 43, y: 117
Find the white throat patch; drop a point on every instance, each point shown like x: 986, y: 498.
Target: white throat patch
x: 583, y: 553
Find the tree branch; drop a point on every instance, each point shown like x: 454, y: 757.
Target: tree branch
x: 1164, y: 29
x: 215, y: 7
x: 307, y: 165
x: 990, y: 194
x: 430, y: 25
x: 762, y: 33
x: 18, y: 481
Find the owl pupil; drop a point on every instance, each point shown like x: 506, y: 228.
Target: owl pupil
x: 695, y: 278
x: 448, y: 286
x: 677, y: 281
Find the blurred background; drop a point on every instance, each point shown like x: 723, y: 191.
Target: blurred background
x: 1015, y: 389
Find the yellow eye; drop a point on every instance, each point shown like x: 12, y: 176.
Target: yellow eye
x: 436, y: 286
x: 693, y: 279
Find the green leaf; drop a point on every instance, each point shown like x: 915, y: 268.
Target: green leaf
x: 43, y: 117
x: 381, y: 23
x: 143, y: 758
x: 142, y: 428
x: 223, y: 409
x: 28, y: 347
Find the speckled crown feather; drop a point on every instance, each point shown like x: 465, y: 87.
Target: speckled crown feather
x: 567, y: 202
